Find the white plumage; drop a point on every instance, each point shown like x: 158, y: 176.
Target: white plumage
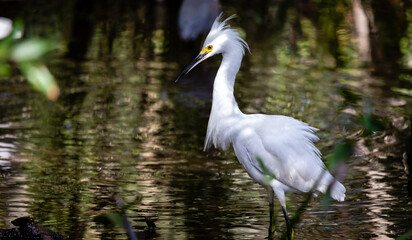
x: 285, y: 146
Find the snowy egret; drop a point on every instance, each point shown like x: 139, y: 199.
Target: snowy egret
x: 280, y: 145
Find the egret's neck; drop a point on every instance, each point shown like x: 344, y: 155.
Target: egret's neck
x: 225, y: 111
x: 224, y: 102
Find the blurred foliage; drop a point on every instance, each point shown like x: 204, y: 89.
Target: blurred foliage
x: 267, y: 175
x: 405, y: 236
x: 349, y: 96
x: 110, y: 218
x: 404, y: 91
x: 119, y: 218
x: 339, y: 155
x: 369, y: 122
x: 28, y: 55
x: 406, y: 41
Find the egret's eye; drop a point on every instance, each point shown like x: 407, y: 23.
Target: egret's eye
x: 207, y: 49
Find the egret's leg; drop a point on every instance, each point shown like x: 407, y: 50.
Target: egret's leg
x: 280, y: 194
x: 285, y: 213
x: 288, y: 225
x: 271, y: 213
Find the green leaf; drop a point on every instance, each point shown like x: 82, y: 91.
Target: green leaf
x: 116, y: 219
x: 349, y: 95
x: 5, y: 70
x: 405, y: 236
x: 268, y: 176
x: 403, y: 91
x: 31, y: 50
x: 325, y: 201
x: 371, y: 123
x: 340, y: 154
x: 41, y: 79
x: 106, y: 219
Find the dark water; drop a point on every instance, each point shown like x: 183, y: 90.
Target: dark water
x: 122, y: 128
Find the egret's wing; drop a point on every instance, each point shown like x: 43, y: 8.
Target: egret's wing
x: 289, y: 152
x: 244, y: 147
x: 285, y: 147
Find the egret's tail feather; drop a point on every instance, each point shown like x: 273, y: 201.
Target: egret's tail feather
x: 337, y: 191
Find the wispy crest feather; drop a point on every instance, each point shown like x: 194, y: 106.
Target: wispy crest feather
x: 220, y: 27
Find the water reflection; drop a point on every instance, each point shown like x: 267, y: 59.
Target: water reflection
x: 121, y: 128
x: 196, y: 17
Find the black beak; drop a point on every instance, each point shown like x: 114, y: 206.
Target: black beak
x: 193, y: 64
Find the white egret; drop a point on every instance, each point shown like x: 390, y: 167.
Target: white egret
x: 280, y: 145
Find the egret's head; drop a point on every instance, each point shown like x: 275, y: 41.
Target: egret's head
x: 221, y: 39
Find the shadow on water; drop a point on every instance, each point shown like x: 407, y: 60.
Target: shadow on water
x: 122, y: 128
